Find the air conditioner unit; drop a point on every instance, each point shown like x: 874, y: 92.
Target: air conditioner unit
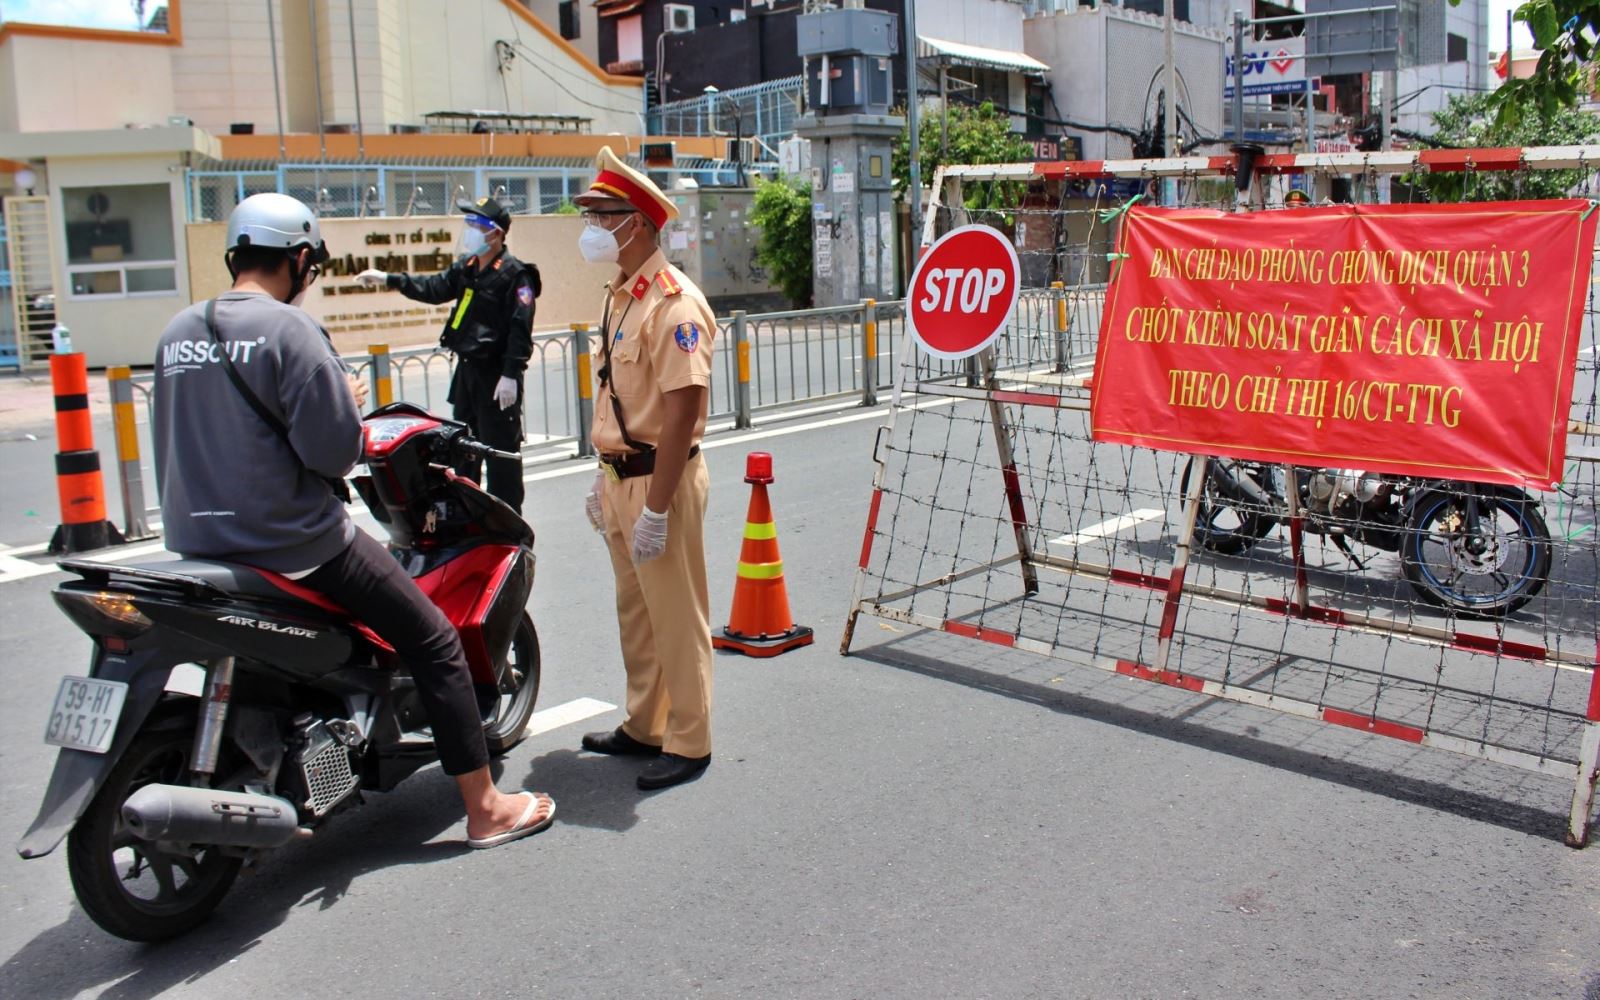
x: 678, y: 17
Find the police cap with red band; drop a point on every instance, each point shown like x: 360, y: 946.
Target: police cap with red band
x: 615, y: 180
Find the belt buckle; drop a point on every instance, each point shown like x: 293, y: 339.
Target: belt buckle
x: 611, y: 472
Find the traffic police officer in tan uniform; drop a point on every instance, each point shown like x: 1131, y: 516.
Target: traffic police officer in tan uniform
x: 649, y: 497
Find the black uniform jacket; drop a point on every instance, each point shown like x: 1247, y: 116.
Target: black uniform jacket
x: 492, y: 323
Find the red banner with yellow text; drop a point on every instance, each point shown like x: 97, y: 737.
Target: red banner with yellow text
x: 1423, y: 340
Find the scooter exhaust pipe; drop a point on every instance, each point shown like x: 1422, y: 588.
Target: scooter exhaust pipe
x: 188, y: 815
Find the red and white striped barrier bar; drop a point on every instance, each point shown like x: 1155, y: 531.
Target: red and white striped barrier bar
x: 1385, y: 162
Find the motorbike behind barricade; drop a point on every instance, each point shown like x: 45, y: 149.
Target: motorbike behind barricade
x: 1476, y: 549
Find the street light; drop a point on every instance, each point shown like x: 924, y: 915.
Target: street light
x: 712, y: 93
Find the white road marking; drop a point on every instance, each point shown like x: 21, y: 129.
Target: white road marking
x: 745, y: 438
x: 1109, y: 527
x: 12, y: 568
x: 547, y: 719
x: 123, y: 555
x: 187, y: 678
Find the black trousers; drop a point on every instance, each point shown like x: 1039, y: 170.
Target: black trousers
x: 368, y: 582
x: 472, y: 396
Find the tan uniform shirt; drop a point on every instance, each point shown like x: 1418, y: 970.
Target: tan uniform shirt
x: 661, y: 332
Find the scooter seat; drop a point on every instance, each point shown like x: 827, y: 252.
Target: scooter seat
x: 231, y: 578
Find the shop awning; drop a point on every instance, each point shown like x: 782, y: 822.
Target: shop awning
x: 961, y: 54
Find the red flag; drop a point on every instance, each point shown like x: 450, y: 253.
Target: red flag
x: 1503, y: 66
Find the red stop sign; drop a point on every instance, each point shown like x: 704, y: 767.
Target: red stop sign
x: 962, y: 291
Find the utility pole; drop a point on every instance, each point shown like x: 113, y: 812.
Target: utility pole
x: 1169, y: 187
x: 355, y: 79
x: 1238, y: 75
x: 1385, y: 143
x: 1171, y: 144
x: 914, y: 123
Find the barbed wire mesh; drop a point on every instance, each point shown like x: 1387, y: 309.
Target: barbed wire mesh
x: 1454, y: 615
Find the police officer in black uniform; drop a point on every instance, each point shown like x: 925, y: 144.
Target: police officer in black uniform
x: 490, y: 331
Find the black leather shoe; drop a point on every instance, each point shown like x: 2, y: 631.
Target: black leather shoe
x: 671, y: 769
x: 618, y: 743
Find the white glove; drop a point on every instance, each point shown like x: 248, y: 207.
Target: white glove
x: 372, y: 276
x: 505, y: 392
x: 591, y: 504
x: 649, y: 536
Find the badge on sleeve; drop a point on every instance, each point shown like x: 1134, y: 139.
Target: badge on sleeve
x: 525, y: 294
x: 688, y: 337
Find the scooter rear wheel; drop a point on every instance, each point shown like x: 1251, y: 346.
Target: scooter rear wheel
x: 135, y: 889
x: 519, y: 689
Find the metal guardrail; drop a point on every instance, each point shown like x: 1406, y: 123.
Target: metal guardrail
x: 398, y: 190
x: 761, y: 362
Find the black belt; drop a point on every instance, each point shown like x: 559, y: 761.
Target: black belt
x: 639, y: 463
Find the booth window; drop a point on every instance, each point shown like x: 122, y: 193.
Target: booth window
x: 120, y: 241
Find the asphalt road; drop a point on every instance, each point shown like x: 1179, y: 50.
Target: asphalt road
x: 931, y: 816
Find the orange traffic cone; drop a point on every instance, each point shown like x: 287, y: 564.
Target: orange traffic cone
x: 760, y: 623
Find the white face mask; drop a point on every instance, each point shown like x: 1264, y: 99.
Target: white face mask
x: 599, y: 245
x: 473, y: 242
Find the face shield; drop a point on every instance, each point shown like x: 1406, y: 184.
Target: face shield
x: 474, y: 239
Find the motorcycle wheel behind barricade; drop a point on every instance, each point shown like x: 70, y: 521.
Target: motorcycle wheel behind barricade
x: 1436, y: 538
x: 1228, y: 521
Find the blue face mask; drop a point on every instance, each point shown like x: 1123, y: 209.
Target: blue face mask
x: 474, y: 240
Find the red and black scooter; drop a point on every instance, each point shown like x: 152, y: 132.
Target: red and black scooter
x: 229, y: 710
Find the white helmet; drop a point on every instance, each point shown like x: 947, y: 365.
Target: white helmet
x: 278, y: 222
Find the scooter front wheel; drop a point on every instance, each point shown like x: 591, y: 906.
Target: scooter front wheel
x: 136, y: 889
x: 519, y: 689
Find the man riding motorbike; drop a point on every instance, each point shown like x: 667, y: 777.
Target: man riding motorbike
x: 255, y: 424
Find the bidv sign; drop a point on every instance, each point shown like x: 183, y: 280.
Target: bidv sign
x: 1271, y: 67
x: 962, y: 292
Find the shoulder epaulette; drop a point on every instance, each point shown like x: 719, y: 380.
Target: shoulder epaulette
x: 669, y: 284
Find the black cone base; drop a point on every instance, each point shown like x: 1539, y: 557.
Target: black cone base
x: 764, y: 645
x: 84, y: 537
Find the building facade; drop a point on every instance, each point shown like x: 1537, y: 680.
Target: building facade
x: 360, y: 107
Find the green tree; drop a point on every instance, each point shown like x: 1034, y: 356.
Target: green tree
x: 972, y: 134
x: 1567, y: 35
x: 1472, y: 122
x: 782, y: 212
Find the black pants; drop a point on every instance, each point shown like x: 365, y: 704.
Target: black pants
x: 368, y: 582
x: 472, y: 395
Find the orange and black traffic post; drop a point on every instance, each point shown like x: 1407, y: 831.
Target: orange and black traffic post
x: 79, y: 485
x: 760, y: 623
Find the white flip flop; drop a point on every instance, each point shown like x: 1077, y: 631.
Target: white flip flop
x: 520, y: 830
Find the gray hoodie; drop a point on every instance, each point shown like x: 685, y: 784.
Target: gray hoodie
x: 230, y: 487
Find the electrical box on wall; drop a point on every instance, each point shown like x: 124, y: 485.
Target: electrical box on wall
x: 849, y: 84
x: 840, y: 32
x: 847, y: 54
